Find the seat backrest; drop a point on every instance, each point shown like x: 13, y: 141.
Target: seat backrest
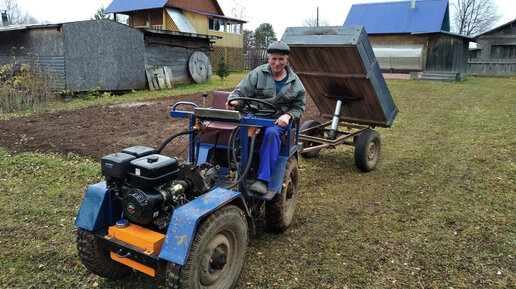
x: 219, y: 99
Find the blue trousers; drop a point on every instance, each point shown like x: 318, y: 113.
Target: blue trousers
x: 269, y: 151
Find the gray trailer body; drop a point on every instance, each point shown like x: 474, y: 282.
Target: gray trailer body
x: 338, y: 63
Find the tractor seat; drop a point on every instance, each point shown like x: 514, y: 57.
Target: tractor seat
x: 224, y: 129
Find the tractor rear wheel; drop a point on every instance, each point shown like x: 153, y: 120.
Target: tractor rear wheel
x: 217, y: 253
x: 96, y: 259
x: 367, y: 150
x: 279, y: 212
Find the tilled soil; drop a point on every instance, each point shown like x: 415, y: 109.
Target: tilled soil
x: 96, y: 131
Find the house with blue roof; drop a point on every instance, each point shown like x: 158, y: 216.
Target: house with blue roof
x: 188, y: 16
x: 414, y: 36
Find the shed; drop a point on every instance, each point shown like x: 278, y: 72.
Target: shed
x: 496, y: 51
x: 413, y: 36
x: 101, y: 54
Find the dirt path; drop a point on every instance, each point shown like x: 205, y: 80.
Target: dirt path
x: 96, y: 131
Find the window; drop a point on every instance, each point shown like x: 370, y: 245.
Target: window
x: 474, y: 54
x: 503, y: 51
x: 216, y: 24
x: 234, y: 28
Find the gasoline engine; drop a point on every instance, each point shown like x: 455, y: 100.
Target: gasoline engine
x: 150, y: 185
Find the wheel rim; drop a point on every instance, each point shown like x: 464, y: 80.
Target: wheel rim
x: 372, y: 151
x: 217, y: 258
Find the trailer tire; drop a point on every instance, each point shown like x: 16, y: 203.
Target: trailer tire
x: 306, y: 144
x: 217, y: 253
x: 96, y: 259
x: 279, y: 212
x: 367, y: 150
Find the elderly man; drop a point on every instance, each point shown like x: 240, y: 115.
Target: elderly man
x: 276, y: 83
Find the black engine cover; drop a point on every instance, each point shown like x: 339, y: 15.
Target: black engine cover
x: 116, y: 165
x: 153, y: 170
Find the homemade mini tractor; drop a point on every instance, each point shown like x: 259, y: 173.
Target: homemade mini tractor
x: 193, y: 219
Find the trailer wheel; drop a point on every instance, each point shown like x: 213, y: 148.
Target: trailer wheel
x: 306, y: 144
x: 217, y: 253
x: 367, y: 150
x: 279, y: 212
x: 96, y: 259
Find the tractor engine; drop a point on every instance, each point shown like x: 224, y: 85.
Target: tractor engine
x: 150, y: 185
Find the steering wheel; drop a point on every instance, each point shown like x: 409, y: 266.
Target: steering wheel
x: 254, y: 109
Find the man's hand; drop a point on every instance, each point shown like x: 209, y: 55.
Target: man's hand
x: 231, y: 105
x: 283, y: 120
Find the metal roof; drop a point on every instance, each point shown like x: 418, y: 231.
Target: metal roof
x: 178, y: 33
x: 398, y: 17
x: 496, y: 28
x: 28, y: 26
x: 118, y: 6
x: 215, y: 15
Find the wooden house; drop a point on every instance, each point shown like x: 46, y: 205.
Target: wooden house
x: 495, y: 54
x: 188, y: 16
x: 414, y: 36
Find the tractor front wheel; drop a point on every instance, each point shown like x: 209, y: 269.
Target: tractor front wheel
x: 217, y: 253
x: 279, y: 212
x: 96, y: 259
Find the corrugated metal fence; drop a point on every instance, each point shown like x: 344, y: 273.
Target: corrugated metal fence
x: 498, y: 67
x: 53, y: 64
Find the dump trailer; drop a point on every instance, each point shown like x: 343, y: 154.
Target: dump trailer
x: 340, y: 73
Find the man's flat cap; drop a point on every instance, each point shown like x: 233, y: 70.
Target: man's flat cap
x: 278, y: 47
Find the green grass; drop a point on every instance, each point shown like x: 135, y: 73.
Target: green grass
x: 216, y: 83
x: 437, y: 212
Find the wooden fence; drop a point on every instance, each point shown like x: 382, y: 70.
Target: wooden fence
x: 490, y: 67
x: 254, y: 58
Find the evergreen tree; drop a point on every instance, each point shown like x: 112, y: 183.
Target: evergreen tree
x: 222, y: 68
x: 264, y: 35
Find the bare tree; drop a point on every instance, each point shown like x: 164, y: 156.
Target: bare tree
x: 249, y: 40
x: 313, y: 22
x: 237, y: 9
x: 14, y: 14
x: 13, y: 11
x: 473, y: 17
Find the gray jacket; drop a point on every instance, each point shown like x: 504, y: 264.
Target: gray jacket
x: 259, y: 83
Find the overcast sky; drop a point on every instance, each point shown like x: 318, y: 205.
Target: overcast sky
x: 279, y: 13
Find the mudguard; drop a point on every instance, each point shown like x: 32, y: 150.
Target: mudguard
x: 98, y: 208
x: 185, y: 219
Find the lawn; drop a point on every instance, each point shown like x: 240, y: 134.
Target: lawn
x: 437, y: 212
